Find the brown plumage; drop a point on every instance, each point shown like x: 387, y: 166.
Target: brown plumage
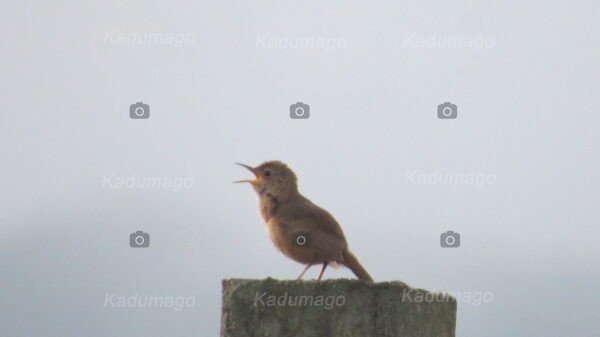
x: 300, y: 229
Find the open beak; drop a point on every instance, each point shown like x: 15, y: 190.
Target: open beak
x: 251, y: 169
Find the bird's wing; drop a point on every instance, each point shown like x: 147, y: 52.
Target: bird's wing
x: 326, y: 236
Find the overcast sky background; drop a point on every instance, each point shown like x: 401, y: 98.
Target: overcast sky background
x: 527, y: 115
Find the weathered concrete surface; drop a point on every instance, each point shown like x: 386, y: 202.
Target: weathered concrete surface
x: 333, y: 308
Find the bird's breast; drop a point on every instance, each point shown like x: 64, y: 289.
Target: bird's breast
x: 268, y: 206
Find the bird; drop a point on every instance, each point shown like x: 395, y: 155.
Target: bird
x: 300, y: 229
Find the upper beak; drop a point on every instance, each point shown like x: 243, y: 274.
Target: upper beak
x: 251, y: 169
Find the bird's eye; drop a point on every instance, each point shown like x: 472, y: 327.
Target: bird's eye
x: 267, y: 173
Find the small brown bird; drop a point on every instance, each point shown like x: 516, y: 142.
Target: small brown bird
x: 300, y: 229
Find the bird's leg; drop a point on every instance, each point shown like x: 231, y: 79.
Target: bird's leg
x: 304, y: 271
x: 322, y: 270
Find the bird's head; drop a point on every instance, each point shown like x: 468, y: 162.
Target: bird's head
x: 272, y: 177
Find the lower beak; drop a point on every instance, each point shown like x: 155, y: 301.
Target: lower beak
x: 251, y: 169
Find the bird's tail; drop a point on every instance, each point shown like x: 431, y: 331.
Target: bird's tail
x: 351, y: 262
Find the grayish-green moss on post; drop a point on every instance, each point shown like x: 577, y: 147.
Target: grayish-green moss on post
x: 333, y: 308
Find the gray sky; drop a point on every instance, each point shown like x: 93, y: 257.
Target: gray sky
x: 527, y: 120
